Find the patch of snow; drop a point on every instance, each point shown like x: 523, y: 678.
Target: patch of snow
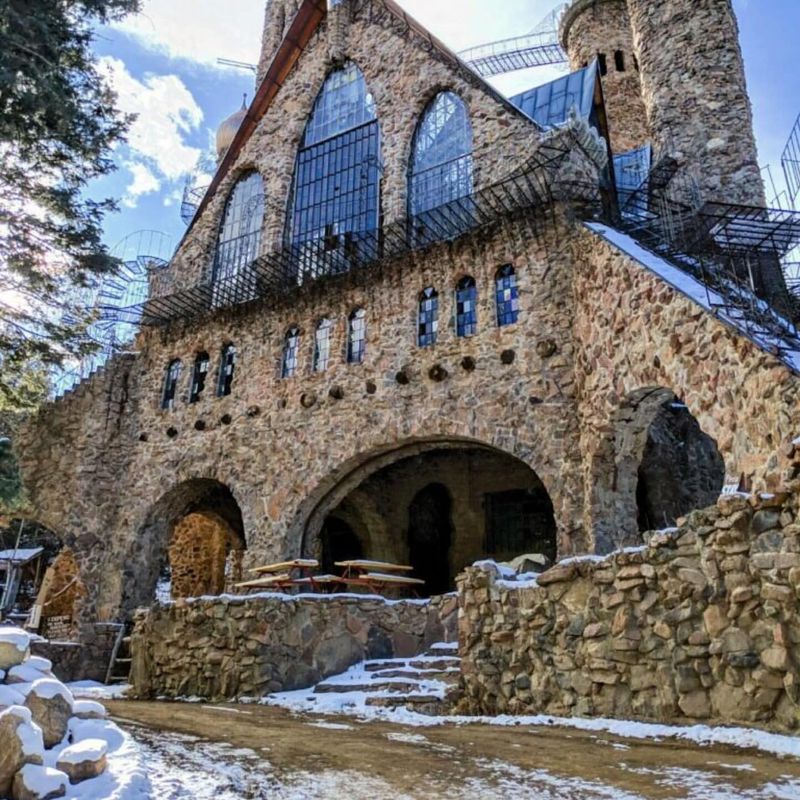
x: 39, y: 662
x: 26, y: 672
x: 235, y: 599
x: 48, y: 688
x: 44, y: 781
x: 487, y: 565
x: 10, y: 634
x: 98, y: 691
x: 89, y: 707
x: 229, y: 709
x: 331, y: 726
x: 86, y: 750
x: 28, y: 732
x: 12, y: 695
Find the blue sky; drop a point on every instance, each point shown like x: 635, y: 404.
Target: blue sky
x: 163, y: 64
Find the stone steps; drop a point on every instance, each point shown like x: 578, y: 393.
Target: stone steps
x: 429, y: 683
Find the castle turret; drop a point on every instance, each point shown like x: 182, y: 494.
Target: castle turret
x: 601, y: 29
x: 277, y: 19
x: 694, y: 90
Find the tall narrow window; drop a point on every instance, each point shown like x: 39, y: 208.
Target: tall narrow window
x: 506, y: 295
x: 227, y: 365
x: 291, y: 345
x: 601, y: 59
x: 239, y: 242
x: 199, y: 374
x: 428, y: 317
x: 619, y: 60
x: 171, y: 380
x: 441, y: 160
x: 466, y: 307
x: 356, y: 336
x: 322, y: 345
x: 336, y: 192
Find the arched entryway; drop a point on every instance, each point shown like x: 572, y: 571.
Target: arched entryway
x: 437, y: 506
x: 656, y: 465
x: 190, y: 545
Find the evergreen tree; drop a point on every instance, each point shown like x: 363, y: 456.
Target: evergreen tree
x: 58, y: 123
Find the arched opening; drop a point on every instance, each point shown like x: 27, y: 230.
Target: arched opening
x: 190, y: 545
x: 437, y: 507
x: 681, y: 468
x: 656, y: 466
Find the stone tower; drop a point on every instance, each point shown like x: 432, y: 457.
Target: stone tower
x: 277, y: 19
x: 694, y: 90
x: 601, y: 29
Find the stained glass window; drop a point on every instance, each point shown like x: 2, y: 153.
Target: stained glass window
x: 322, y: 345
x: 356, y: 338
x: 428, y: 317
x: 466, y: 307
x: 506, y: 295
x: 227, y: 365
x: 291, y: 345
x: 336, y: 190
x: 171, y: 380
x: 441, y: 161
x: 199, y: 373
x: 239, y: 241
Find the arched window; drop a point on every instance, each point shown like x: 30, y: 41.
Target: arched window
x: 356, y: 336
x: 441, y: 159
x: 336, y: 192
x: 466, y: 307
x: 291, y: 345
x: 227, y: 365
x: 199, y: 373
x: 171, y: 380
x: 506, y: 295
x: 322, y: 345
x: 428, y: 317
x: 239, y: 241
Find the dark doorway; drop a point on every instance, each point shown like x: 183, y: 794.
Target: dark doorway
x: 520, y: 521
x: 339, y: 543
x: 681, y: 469
x: 429, y: 535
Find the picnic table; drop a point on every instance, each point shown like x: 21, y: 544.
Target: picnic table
x: 377, y: 576
x: 281, y: 575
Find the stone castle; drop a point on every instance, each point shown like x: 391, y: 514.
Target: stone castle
x: 418, y: 321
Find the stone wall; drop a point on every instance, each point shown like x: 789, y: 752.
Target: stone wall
x: 701, y: 624
x: 249, y: 646
x: 591, y: 29
x: 86, y: 659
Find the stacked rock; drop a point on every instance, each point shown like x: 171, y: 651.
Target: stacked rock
x: 37, y: 714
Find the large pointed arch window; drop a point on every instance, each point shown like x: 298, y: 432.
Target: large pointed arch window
x: 440, y: 170
x: 335, y: 204
x: 239, y: 241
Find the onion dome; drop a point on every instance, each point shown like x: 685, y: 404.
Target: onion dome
x: 227, y: 130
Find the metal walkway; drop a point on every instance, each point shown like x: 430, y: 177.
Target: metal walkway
x: 509, y: 55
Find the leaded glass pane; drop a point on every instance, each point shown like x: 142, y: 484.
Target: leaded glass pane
x: 290, y: 349
x: 506, y: 295
x: 441, y: 164
x: 428, y: 320
x: 466, y: 307
x: 356, y: 340
x: 239, y: 242
x: 336, y: 190
x: 171, y: 380
x: 322, y: 345
x: 227, y: 366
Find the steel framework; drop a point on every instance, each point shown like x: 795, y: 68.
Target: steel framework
x: 520, y: 52
x: 790, y: 161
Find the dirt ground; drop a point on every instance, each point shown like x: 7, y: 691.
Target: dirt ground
x: 468, y: 761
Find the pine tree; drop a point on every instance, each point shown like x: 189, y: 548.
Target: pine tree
x: 58, y: 123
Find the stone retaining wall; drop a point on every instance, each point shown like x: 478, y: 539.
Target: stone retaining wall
x: 702, y: 623
x: 227, y: 647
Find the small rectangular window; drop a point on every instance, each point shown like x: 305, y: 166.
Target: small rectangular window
x: 601, y: 60
x: 619, y: 61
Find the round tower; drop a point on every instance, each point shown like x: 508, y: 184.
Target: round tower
x: 601, y: 29
x: 694, y: 90
x: 278, y: 17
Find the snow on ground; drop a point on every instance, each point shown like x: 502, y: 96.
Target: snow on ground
x: 98, y: 691
x: 354, y: 704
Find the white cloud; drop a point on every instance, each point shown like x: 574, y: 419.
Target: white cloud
x: 200, y: 31
x: 166, y: 112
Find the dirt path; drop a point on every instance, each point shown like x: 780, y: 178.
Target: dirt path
x: 257, y: 751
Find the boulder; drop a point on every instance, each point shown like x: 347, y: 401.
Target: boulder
x: 14, y: 646
x: 20, y: 744
x: 84, y: 760
x: 34, y: 782
x: 88, y: 709
x: 50, y: 703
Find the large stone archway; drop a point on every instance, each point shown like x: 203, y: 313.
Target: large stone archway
x: 190, y: 539
x: 437, y: 505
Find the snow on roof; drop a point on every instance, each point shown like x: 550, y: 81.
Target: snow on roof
x: 21, y: 555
